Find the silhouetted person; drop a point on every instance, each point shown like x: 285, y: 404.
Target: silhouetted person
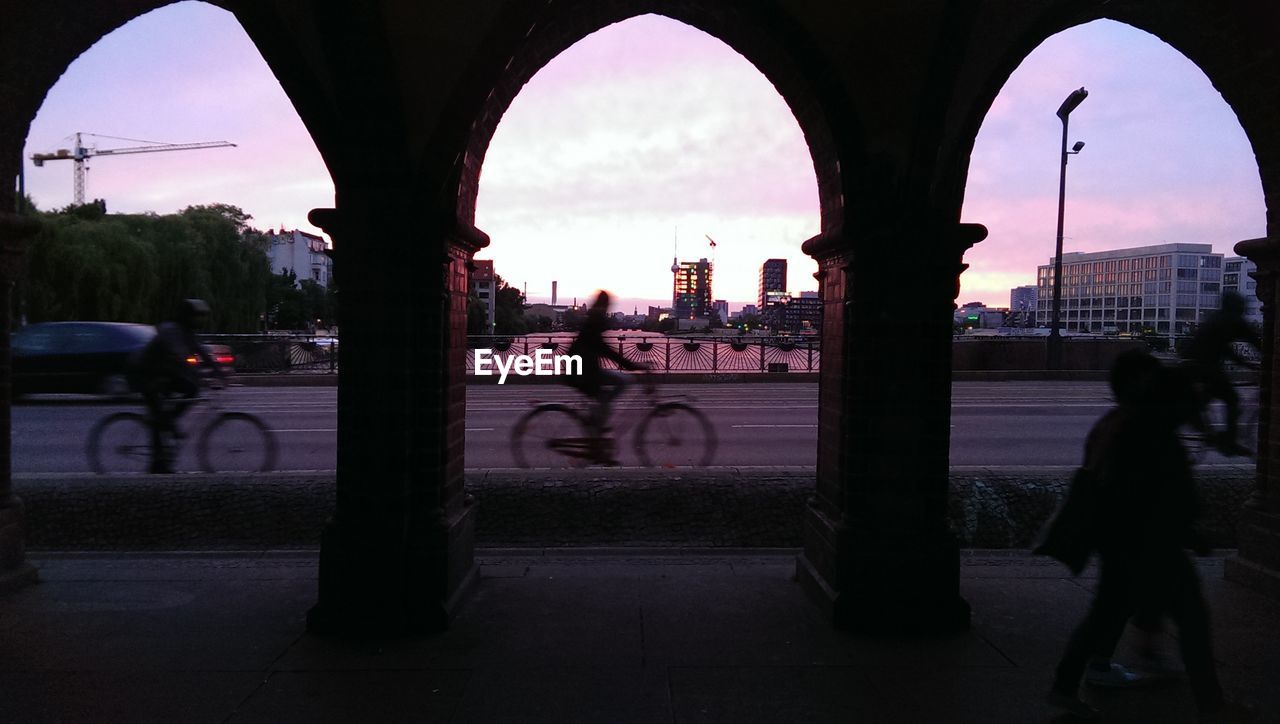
x: 1145, y: 516
x: 1212, y: 345
x: 168, y: 378
x: 600, y: 384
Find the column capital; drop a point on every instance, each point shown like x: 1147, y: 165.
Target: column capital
x: 458, y: 233
x: 1264, y: 253
x: 954, y: 238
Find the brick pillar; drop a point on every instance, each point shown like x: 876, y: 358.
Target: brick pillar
x: 397, y: 555
x: 1257, y: 564
x: 14, y: 569
x: 878, y: 554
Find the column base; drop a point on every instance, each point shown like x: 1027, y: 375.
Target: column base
x: 885, y: 584
x: 371, y: 588
x: 1257, y: 565
x: 22, y: 576
x: 15, y: 572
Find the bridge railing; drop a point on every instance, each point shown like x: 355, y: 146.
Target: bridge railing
x: 317, y: 354
x: 280, y: 353
x: 662, y: 353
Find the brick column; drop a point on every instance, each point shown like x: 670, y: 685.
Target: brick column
x: 398, y: 553
x: 1258, y: 562
x: 14, y: 569
x: 878, y: 555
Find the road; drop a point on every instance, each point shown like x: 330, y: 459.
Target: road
x: 758, y: 424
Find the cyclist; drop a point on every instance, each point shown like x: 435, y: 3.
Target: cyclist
x: 167, y: 373
x: 602, y: 385
x: 1212, y: 345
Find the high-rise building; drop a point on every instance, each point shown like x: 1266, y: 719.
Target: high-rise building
x: 691, y: 295
x: 773, y: 280
x: 1165, y: 289
x: 1022, y: 306
x: 1235, y: 278
x: 721, y: 307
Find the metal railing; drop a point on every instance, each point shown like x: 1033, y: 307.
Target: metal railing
x: 662, y: 353
x: 302, y: 353
x: 280, y: 353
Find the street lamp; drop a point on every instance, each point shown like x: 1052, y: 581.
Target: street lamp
x: 1055, y: 337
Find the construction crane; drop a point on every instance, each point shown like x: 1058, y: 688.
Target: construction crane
x: 80, y: 155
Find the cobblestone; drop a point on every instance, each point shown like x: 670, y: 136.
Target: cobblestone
x: 990, y: 508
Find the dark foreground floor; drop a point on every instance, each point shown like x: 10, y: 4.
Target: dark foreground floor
x: 596, y: 636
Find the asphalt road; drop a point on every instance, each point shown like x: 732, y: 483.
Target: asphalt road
x: 758, y: 424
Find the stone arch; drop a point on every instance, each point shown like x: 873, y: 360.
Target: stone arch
x: 1245, y: 73
x: 817, y: 106
x: 40, y: 60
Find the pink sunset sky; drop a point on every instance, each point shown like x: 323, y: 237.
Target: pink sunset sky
x: 651, y: 129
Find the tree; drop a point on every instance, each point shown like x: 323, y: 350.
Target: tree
x: 87, y: 264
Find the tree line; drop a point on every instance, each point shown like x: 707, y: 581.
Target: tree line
x: 86, y: 264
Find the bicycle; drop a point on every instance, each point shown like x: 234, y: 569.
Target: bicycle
x: 226, y: 441
x: 671, y: 433
x: 1199, y: 442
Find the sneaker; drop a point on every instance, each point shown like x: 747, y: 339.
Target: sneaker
x: 1114, y: 676
x: 1071, y: 705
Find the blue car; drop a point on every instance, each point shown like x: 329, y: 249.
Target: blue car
x: 78, y: 357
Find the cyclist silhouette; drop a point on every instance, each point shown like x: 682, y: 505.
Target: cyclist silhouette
x: 167, y: 373
x: 1212, y: 345
x: 601, y: 385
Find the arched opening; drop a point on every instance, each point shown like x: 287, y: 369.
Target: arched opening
x: 646, y: 140
x: 226, y: 223
x: 1165, y: 187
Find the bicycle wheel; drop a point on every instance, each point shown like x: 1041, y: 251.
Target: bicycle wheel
x: 237, y: 442
x: 120, y: 443
x: 551, y: 436
x: 675, y: 435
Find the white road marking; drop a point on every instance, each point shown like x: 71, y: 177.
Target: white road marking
x: 775, y: 425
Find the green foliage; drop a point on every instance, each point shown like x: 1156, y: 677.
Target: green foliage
x: 87, y: 264
x: 477, y: 315
x: 284, y: 302
x: 298, y: 305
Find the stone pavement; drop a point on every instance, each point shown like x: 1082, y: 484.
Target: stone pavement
x: 561, y: 636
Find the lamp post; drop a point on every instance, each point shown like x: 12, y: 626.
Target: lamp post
x: 1055, y: 337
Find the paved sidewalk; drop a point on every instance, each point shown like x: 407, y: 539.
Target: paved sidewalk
x: 593, y: 636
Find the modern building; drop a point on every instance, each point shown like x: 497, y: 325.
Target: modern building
x: 773, y: 281
x: 691, y: 296
x: 976, y: 315
x: 1164, y: 290
x: 721, y: 308
x: 301, y: 253
x: 1022, y: 306
x: 802, y: 313
x: 1236, y: 278
x: 484, y: 284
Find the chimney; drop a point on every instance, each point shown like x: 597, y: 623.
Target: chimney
x: 553, y: 293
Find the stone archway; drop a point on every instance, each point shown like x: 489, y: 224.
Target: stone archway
x: 1233, y: 49
x: 37, y: 59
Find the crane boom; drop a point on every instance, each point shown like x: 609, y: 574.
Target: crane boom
x: 162, y: 147
x: 79, y: 154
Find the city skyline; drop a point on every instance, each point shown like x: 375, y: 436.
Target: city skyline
x: 650, y: 126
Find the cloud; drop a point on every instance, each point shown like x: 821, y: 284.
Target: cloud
x: 1165, y: 158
